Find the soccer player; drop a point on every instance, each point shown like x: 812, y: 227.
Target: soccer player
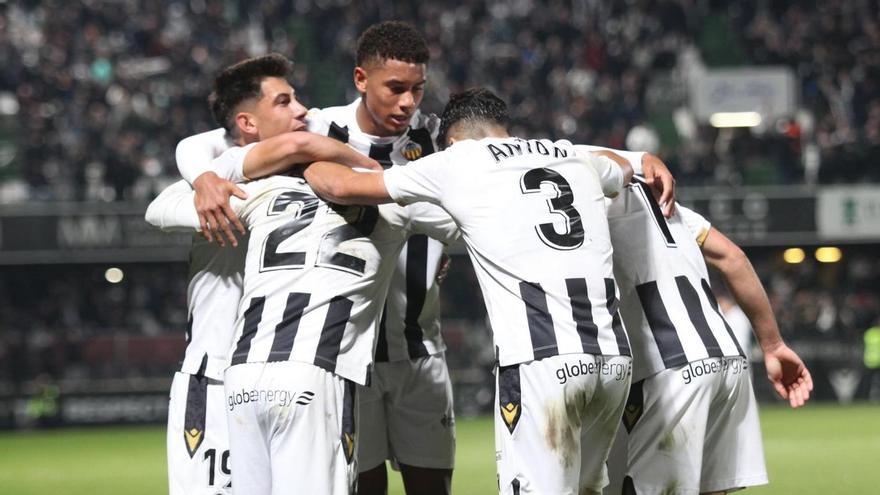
x: 315, y: 279
x: 691, y: 421
x: 197, y: 441
x: 407, y: 411
x: 532, y: 215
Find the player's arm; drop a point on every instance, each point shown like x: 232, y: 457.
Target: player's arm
x: 277, y: 154
x: 785, y: 369
x: 342, y: 185
x: 173, y: 209
x: 656, y: 173
x: 614, y: 171
x: 213, y: 185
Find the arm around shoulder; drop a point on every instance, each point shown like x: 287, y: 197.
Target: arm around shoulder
x: 339, y: 184
x: 173, y: 209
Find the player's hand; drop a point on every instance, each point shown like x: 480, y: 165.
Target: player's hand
x: 788, y: 374
x: 443, y: 268
x: 212, y: 204
x: 658, y: 176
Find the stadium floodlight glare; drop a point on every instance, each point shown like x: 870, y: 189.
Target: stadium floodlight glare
x: 114, y: 275
x: 735, y: 119
x: 793, y: 255
x: 828, y: 254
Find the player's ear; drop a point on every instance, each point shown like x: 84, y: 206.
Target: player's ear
x: 246, y: 123
x: 360, y: 79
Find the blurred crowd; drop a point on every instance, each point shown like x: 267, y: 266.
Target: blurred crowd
x: 69, y: 321
x: 94, y: 94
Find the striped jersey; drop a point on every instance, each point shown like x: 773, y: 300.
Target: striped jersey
x: 667, y: 304
x: 410, y: 327
x: 213, y: 293
x: 532, y: 215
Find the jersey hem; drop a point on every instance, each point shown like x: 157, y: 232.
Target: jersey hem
x: 736, y: 483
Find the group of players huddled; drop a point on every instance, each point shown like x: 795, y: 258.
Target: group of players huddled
x: 314, y: 349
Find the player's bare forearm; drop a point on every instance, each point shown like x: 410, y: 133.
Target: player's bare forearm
x: 277, y: 154
x: 339, y: 184
x: 722, y: 254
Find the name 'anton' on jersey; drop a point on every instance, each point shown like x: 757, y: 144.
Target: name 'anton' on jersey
x: 533, y: 218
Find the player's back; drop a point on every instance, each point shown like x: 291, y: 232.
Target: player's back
x: 315, y: 277
x: 533, y: 218
x: 668, y: 307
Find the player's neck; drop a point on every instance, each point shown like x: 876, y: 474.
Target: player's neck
x: 367, y: 125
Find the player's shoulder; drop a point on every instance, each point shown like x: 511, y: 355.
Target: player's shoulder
x: 341, y: 114
x: 425, y: 120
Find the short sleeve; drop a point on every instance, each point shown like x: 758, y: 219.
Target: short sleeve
x: 173, y: 209
x: 195, y: 153
x: 610, y: 174
x: 421, y: 180
x: 695, y: 223
x: 633, y: 157
x: 434, y: 222
x: 230, y: 165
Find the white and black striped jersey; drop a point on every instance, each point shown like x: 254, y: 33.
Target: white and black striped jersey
x: 316, y: 274
x: 668, y: 307
x: 213, y: 293
x: 533, y: 217
x: 410, y: 327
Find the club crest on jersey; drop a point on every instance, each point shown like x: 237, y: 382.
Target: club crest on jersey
x: 193, y: 438
x: 412, y: 151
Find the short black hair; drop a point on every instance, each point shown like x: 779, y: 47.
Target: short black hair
x: 389, y: 40
x: 241, y: 81
x: 474, y: 105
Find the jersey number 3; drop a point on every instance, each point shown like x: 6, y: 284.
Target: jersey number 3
x: 560, y: 204
x: 360, y: 223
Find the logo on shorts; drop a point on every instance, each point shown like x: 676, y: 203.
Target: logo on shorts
x: 412, y: 150
x: 510, y: 413
x: 348, y: 446
x: 726, y: 365
x: 280, y: 397
x: 635, y: 406
x: 193, y: 438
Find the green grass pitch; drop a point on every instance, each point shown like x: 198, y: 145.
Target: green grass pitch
x: 820, y: 449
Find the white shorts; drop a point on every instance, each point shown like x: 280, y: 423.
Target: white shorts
x: 406, y: 415
x: 291, y: 429
x: 197, y: 438
x: 556, y: 420
x: 690, y: 430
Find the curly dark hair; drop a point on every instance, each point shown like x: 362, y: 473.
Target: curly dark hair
x: 389, y: 40
x: 472, y: 106
x: 241, y: 81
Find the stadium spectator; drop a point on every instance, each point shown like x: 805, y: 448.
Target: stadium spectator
x: 94, y: 94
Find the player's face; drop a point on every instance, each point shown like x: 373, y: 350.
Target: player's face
x: 391, y: 91
x: 278, y: 111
